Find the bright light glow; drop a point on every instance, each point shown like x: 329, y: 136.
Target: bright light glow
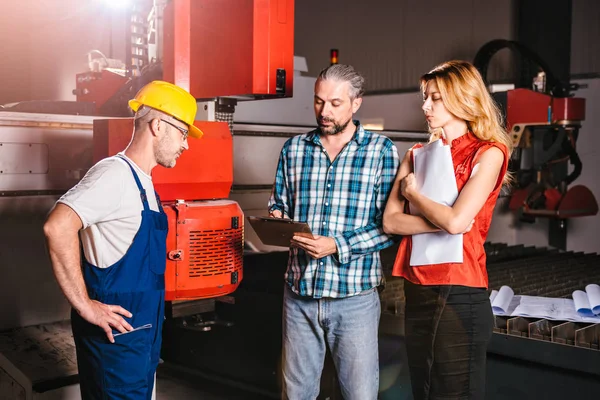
x: 118, y: 4
x: 501, y: 87
x: 373, y: 124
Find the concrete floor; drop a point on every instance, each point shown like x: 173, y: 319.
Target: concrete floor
x: 177, y: 383
x: 180, y: 383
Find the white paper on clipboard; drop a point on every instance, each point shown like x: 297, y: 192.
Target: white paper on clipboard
x: 434, y: 173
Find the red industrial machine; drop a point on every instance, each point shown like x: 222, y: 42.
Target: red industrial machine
x: 98, y: 87
x: 549, y: 126
x: 243, y: 49
x: 251, y: 57
x: 236, y: 49
x: 543, y: 119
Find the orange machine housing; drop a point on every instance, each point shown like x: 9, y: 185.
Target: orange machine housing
x: 230, y: 47
x: 204, y: 249
x: 206, y: 232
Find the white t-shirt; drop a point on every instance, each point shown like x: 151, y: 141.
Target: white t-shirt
x: 108, y: 203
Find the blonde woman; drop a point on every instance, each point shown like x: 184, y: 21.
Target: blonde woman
x: 448, y: 314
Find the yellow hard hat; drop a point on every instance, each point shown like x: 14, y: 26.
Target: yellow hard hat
x: 170, y: 99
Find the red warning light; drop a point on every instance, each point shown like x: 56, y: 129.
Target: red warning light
x: 334, y: 56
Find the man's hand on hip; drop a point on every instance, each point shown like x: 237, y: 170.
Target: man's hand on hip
x: 319, y: 247
x: 106, y: 316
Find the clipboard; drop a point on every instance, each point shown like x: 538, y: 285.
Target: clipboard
x: 278, y: 231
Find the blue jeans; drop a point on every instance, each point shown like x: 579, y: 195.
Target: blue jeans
x: 348, y: 326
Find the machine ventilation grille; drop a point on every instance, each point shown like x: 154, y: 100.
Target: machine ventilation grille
x: 215, y: 252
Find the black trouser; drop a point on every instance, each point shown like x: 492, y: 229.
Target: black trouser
x: 447, y: 332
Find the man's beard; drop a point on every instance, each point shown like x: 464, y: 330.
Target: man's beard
x: 335, y: 129
x: 162, y: 158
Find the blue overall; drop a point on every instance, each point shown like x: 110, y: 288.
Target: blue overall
x: 125, y: 369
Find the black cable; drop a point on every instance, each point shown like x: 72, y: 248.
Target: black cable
x: 530, y: 61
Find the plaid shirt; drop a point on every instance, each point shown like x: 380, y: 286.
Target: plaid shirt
x: 343, y: 199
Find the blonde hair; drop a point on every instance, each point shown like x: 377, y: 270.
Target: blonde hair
x: 465, y: 95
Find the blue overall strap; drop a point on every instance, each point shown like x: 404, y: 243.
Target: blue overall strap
x: 138, y: 183
x: 159, y: 202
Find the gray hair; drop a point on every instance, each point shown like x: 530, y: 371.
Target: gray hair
x: 144, y: 115
x: 345, y: 73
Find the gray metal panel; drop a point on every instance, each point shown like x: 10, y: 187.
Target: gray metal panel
x: 41, y: 152
x: 296, y: 110
x: 23, y: 158
x: 30, y: 294
x: 60, y: 154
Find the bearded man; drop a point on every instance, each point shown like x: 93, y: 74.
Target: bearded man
x: 337, y: 178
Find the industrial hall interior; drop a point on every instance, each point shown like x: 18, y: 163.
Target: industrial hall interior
x: 300, y: 199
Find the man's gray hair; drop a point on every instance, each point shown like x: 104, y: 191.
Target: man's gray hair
x: 345, y: 73
x: 144, y: 115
